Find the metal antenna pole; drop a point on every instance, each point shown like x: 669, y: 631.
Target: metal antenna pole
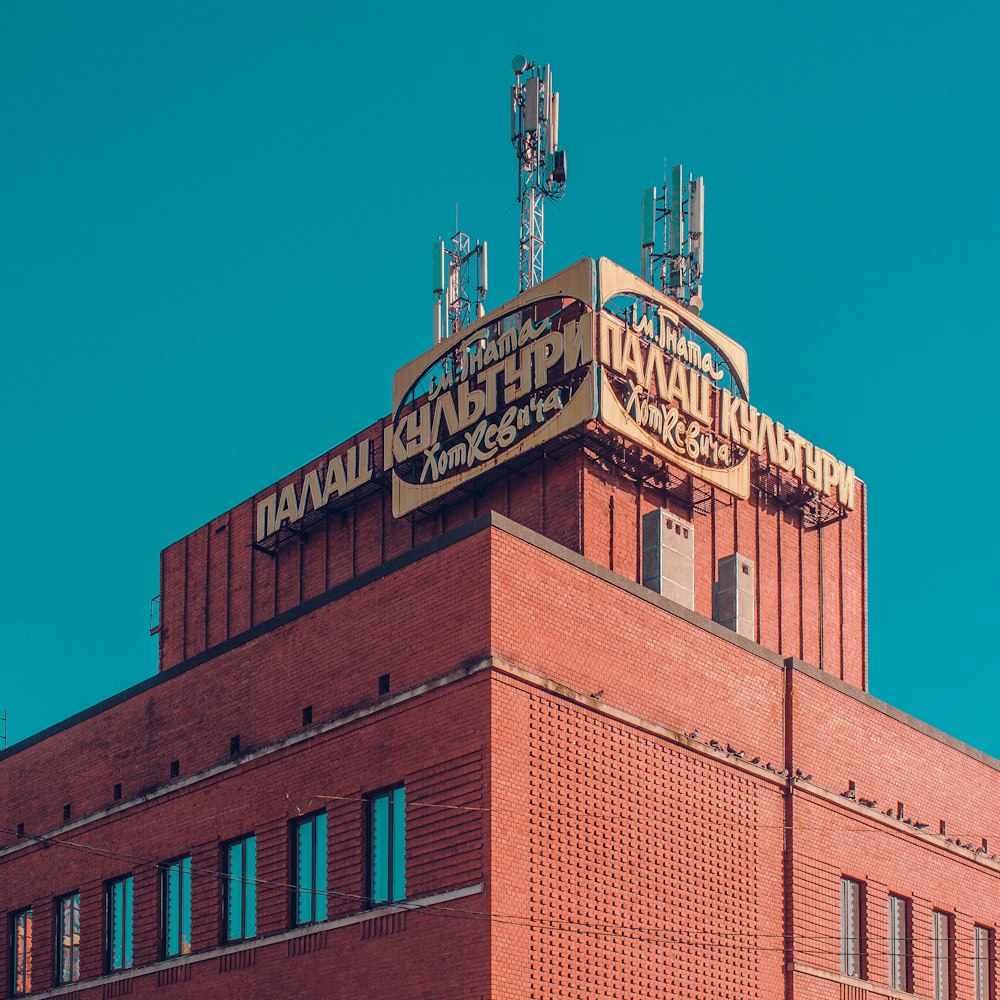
x: 673, y: 238
x: 459, y: 294
x: 541, y: 165
x: 460, y: 308
x: 532, y: 255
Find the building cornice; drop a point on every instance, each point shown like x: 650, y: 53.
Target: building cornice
x: 499, y: 522
x: 195, y: 958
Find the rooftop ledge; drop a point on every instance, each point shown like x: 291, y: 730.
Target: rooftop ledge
x: 493, y: 520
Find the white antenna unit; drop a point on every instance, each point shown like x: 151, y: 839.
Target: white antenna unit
x: 673, y: 238
x: 541, y: 165
x: 458, y: 299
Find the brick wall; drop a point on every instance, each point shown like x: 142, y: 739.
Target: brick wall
x: 418, y: 622
x: 617, y: 854
x: 434, y: 744
x: 215, y: 585
x: 646, y: 869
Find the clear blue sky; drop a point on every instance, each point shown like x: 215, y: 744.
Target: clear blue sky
x: 215, y: 220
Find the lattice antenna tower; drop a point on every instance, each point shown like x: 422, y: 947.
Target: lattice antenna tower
x: 541, y: 164
x: 673, y: 238
x: 460, y: 284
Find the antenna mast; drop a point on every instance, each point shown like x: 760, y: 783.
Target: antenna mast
x: 541, y: 165
x: 456, y: 301
x: 673, y: 238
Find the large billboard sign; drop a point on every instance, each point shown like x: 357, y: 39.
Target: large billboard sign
x: 513, y: 380
x: 680, y: 388
x: 343, y: 473
x: 663, y: 374
x: 593, y: 342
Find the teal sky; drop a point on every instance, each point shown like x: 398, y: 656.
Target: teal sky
x: 215, y: 221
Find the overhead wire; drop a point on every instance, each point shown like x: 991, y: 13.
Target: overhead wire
x: 588, y: 928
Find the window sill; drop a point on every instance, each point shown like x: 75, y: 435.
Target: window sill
x: 260, y: 942
x: 876, y: 990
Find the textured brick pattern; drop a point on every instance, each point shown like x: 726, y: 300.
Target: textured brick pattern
x: 434, y: 745
x: 840, y: 740
x: 619, y: 857
x: 330, y: 659
x: 831, y: 843
x: 811, y: 602
x: 625, y: 885
x: 561, y: 622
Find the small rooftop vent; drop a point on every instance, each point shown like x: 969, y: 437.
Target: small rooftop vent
x: 733, y: 595
x: 668, y: 556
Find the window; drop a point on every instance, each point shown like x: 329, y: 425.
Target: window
x: 852, y: 925
x: 68, y: 938
x: 119, y: 926
x: 20, y: 937
x: 387, y: 846
x: 900, y: 953
x: 983, y: 958
x: 942, y: 955
x: 175, y: 910
x: 240, y: 861
x: 309, y: 862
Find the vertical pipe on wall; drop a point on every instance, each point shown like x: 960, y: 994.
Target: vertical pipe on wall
x: 822, y: 637
x: 184, y: 622
x: 229, y: 573
x: 864, y: 589
x: 611, y: 533
x: 788, y: 843
x: 208, y: 581
x: 781, y: 617
x: 758, y: 588
x: 802, y: 595
x: 840, y: 592
x: 638, y: 531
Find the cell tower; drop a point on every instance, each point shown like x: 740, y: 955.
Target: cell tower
x: 456, y: 301
x: 673, y: 238
x: 541, y: 165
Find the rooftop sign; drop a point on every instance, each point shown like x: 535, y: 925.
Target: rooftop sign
x: 593, y: 342
x: 680, y: 388
x: 515, y: 379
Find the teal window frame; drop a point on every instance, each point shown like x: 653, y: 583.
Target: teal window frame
x: 119, y: 895
x: 898, y: 943
x: 175, y: 907
x: 21, y: 940
x: 68, y: 938
x: 943, y: 954
x: 853, y: 928
x: 239, y: 901
x: 387, y: 846
x: 983, y: 951
x: 309, y: 874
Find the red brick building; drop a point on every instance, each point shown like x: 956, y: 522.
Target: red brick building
x: 480, y: 704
